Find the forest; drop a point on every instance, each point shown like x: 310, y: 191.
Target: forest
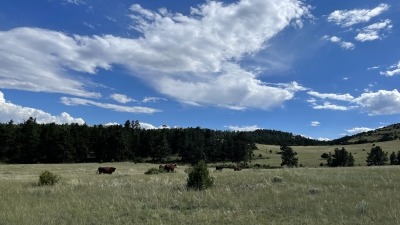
x: 31, y: 142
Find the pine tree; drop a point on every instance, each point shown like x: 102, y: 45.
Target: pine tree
x: 393, y: 159
x: 376, y: 157
x: 288, y: 156
x: 199, y: 178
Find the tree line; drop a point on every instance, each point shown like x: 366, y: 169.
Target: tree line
x: 31, y: 142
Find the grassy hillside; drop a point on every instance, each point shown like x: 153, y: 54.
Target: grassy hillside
x: 359, y: 195
x: 310, y: 156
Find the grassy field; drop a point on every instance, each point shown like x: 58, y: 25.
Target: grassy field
x: 310, y: 156
x: 358, y: 195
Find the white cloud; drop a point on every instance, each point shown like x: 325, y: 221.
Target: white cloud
x: 357, y: 130
x: 194, y: 58
x: 328, y: 105
x: 347, y: 45
x: 75, y: 2
x: 243, y: 128
x: 10, y: 111
x: 380, y: 103
x: 121, y: 98
x: 341, y: 97
x: 315, y: 123
x: 346, y: 18
x: 392, y: 70
x: 371, y: 32
x: 148, y: 126
x: 343, y: 44
x: 153, y: 99
x: 118, y: 108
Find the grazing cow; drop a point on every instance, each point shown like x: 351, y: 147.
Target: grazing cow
x: 219, y: 168
x: 108, y: 170
x: 237, y: 168
x: 170, y: 167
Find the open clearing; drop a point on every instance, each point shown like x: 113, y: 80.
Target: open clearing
x: 358, y: 195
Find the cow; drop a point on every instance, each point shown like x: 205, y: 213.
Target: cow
x: 237, y: 168
x: 170, y: 167
x: 219, y: 168
x: 108, y: 170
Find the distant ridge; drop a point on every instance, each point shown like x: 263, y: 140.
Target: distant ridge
x: 387, y: 133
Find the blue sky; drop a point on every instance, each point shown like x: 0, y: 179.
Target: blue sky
x: 322, y: 69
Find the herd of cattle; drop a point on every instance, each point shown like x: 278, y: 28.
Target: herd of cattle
x: 166, y: 167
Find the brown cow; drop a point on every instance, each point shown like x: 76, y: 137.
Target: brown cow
x: 219, y: 168
x: 170, y: 167
x: 237, y: 168
x: 108, y: 170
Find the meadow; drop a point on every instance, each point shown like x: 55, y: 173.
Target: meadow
x: 356, y: 195
x: 310, y: 156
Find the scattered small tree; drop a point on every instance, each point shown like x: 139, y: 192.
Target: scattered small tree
x: 393, y: 159
x: 48, y: 178
x: 199, y: 178
x: 377, y: 157
x: 288, y: 156
x: 341, y: 157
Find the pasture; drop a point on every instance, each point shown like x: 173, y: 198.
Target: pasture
x: 358, y: 195
x: 310, y: 156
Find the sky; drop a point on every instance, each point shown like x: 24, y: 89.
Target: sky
x: 318, y: 68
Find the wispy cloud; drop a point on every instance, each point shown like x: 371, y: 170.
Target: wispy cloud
x: 197, y: 61
x: 372, y: 32
x: 392, y: 70
x: 19, y: 114
x: 342, y: 97
x: 343, y: 44
x: 328, y: 105
x: 347, y: 18
x: 315, y: 123
x: 118, y: 108
x: 121, y: 98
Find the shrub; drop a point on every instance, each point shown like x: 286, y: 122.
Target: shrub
x: 48, y: 178
x: 199, y: 178
x: 277, y: 179
x: 154, y: 171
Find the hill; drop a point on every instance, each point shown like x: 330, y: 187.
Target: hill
x: 387, y: 133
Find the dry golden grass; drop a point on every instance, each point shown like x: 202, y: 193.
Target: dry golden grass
x: 310, y: 156
x: 359, y: 195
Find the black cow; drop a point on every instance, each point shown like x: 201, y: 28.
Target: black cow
x: 219, y: 168
x: 170, y: 167
x: 108, y: 170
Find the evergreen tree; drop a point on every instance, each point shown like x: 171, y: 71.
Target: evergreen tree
x: 393, y: 159
x: 340, y: 158
x: 199, y: 178
x: 288, y: 156
x: 376, y: 157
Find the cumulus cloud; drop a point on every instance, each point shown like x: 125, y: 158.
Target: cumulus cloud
x: 17, y: 113
x: 382, y: 102
x: 347, y: 18
x: 371, y: 32
x: 392, y: 70
x: 118, y: 108
x: 347, y: 45
x: 357, y: 130
x: 186, y: 57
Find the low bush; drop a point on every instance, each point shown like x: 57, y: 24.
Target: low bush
x: 48, y: 178
x: 199, y: 178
